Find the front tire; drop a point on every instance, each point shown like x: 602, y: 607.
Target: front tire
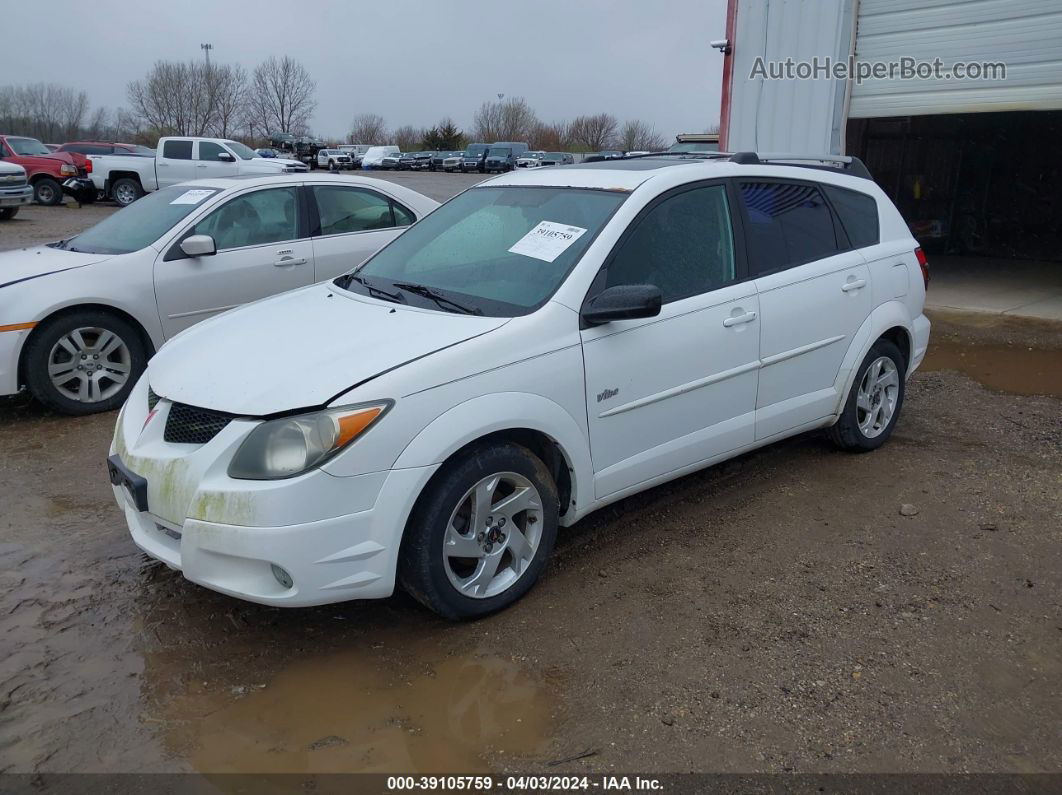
x: 48, y: 192
x: 84, y: 362
x: 481, y: 533
x: 874, y: 401
x: 7, y: 213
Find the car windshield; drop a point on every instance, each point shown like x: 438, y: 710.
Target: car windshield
x: 28, y: 146
x: 555, y: 155
x: 499, y: 251
x: 499, y: 151
x: 243, y: 152
x: 141, y: 223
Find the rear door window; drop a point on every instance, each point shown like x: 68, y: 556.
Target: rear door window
x: 858, y: 213
x: 786, y: 224
x: 343, y: 210
x: 177, y: 150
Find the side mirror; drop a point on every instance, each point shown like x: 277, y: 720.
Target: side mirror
x: 199, y: 246
x: 226, y: 157
x: 623, y: 302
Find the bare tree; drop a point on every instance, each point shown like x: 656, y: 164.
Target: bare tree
x: 594, y: 132
x: 47, y: 111
x: 509, y: 120
x: 228, y: 85
x: 368, y: 128
x: 281, y: 96
x: 407, y: 138
x: 636, y: 135
x: 552, y: 137
x: 175, y: 98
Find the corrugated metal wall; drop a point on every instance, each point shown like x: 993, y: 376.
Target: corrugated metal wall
x: 788, y: 115
x: 1025, y: 34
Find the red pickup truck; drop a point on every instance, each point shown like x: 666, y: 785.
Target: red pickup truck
x: 46, y: 170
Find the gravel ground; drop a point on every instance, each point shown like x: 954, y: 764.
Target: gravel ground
x: 779, y: 612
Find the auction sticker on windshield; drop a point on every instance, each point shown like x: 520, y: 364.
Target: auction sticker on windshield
x: 192, y: 197
x: 547, y: 241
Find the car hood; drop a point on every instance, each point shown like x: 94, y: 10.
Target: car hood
x: 300, y: 350
x: 24, y: 264
x: 45, y: 161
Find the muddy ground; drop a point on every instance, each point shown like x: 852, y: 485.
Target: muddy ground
x: 773, y: 613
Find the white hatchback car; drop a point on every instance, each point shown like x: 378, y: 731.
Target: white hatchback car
x: 545, y: 343
x: 79, y: 318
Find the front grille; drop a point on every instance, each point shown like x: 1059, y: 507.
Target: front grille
x: 153, y: 399
x: 12, y: 184
x: 191, y: 425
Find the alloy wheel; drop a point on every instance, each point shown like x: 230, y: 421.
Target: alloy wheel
x: 89, y: 364
x: 492, y: 535
x: 876, y: 399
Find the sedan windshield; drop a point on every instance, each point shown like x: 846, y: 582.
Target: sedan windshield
x: 141, y: 223
x: 28, y: 146
x: 500, y: 251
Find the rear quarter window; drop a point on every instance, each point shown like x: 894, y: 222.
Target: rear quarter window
x: 858, y: 214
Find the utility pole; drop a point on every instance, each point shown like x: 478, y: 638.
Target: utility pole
x: 206, y: 48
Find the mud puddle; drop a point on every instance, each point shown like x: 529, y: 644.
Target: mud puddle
x: 1006, y: 368
x: 356, y: 711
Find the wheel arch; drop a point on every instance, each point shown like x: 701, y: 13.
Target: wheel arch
x: 543, y: 426
x: 145, y: 338
x: 891, y: 321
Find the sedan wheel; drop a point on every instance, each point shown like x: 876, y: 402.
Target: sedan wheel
x: 89, y: 364
x: 84, y: 362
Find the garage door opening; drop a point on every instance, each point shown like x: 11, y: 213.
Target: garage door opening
x: 982, y: 192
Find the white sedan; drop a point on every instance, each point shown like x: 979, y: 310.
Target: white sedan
x: 543, y: 344
x: 80, y: 318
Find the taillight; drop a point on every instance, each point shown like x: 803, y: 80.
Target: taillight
x: 88, y: 166
x: 923, y: 263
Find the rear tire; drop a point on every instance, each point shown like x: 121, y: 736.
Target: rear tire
x: 874, y: 401
x: 499, y: 504
x: 7, y: 213
x: 125, y: 191
x: 100, y: 355
x: 48, y: 192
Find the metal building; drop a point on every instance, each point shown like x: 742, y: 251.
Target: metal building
x: 975, y: 165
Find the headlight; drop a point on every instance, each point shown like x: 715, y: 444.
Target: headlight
x: 289, y: 446
x: 68, y: 170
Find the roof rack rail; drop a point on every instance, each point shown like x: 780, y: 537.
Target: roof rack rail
x: 850, y: 165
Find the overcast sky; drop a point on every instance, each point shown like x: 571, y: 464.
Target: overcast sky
x: 412, y: 62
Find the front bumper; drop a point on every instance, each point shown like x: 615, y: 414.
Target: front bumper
x: 16, y: 197
x: 337, y: 538
x: 10, y: 345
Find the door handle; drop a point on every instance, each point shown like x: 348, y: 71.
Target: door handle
x: 855, y: 284
x: 201, y: 165
x: 285, y: 261
x: 748, y: 317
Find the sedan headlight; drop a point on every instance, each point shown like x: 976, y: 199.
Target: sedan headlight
x: 289, y: 446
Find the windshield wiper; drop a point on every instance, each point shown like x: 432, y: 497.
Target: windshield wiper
x: 437, y: 297
x: 372, y: 288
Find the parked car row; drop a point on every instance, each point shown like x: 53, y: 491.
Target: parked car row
x: 484, y: 158
x: 46, y: 171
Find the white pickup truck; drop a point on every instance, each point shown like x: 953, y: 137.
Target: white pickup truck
x: 125, y: 179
